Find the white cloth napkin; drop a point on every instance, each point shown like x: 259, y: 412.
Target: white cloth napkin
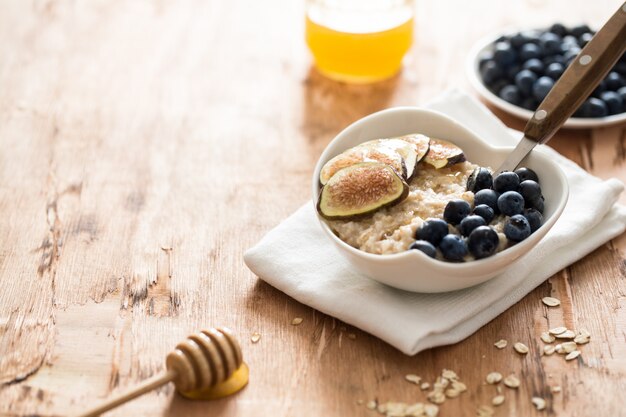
x: 297, y: 258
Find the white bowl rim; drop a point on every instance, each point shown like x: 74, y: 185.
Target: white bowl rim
x: 435, y: 263
x: 472, y: 72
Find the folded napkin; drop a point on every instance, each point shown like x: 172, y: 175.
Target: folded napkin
x: 297, y: 258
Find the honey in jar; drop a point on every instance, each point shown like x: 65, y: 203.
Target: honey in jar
x: 359, y: 41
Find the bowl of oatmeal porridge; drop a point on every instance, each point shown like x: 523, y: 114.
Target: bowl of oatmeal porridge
x: 376, y: 241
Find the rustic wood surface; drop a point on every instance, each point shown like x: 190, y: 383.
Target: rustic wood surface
x: 145, y: 145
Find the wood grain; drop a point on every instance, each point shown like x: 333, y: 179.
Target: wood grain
x: 146, y: 145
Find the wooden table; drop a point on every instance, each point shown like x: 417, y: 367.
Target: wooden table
x: 145, y: 145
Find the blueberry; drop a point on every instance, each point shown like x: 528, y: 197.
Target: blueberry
x: 498, y: 85
x: 511, y: 94
x: 535, y: 65
x: 584, y: 39
x: 597, y: 107
x: 470, y: 223
x: 518, y: 40
x: 479, y: 179
x: 570, y: 54
x: 525, y: 80
x: 512, y: 71
x: 483, y: 242
x: 484, y: 58
x: 558, y: 29
x: 490, y: 72
x: 530, y: 190
x: 529, y: 51
x: 554, y: 59
x: 542, y: 87
x: 425, y: 247
x: 455, y: 211
x: 484, y: 211
x: 530, y: 103
x: 568, y: 42
x: 517, y: 228
x: 536, y: 204
x: 614, y: 81
x: 453, y: 247
x: 555, y: 70
x: 526, y: 174
x: 511, y: 203
x: 504, y: 54
x: 578, y: 31
x: 534, y: 219
x: 487, y: 197
x: 433, y: 230
x: 613, y: 101
x: 506, y: 181
x: 550, y: 42
x: 620, y: 68
x: 583, y: 110
x: 622, y: 94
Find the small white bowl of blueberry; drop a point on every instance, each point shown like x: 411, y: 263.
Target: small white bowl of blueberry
x: 516, y: 70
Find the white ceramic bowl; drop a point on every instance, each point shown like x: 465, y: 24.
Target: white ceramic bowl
x: 472, y: 70
x: 412, y: 270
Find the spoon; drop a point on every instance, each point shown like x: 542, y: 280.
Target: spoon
x: 576, y: 84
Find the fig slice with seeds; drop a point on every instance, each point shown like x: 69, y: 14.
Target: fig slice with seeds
x: 422, y: 145
x: 360, y: 190
x: 443, y: 154
x: 365, y: 152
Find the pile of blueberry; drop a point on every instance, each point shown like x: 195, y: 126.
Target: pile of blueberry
x: 515, y: 195
x: 522, y: 68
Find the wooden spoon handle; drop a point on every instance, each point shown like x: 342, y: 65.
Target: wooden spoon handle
x: 580, y: 78
x: 145, y: 386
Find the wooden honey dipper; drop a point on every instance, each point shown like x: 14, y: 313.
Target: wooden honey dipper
x: 201, y: 362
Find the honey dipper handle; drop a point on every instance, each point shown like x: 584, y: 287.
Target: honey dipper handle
x: 147, y: 385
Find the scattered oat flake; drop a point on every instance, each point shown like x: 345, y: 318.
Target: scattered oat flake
x: 572, y: 355
x: 567, y: 334
x: 494, y: 377
x: 416, y: 409
x: 557, y: 330
x: 431, y: 410
x: 459, y: 386
x: 581, y: 339
x: 484, y: 411
x: 569, y: 347
x: 511, y: 381
x: 425, y: 385
x: 559, y: 349
x: 448, y: 374
x: 296, y: 321
x: 413, y: 378
x: 497, y: 400
x: 501, y: 344
x: 371, y: 404
x: 556, y: 388
x: 548, y: 350
x: 359, y: 402
x: 540, y: 403
x: 547, y: 337
x: 255, y: 337
x: 437, y: 397
x: 521, y: 348
x: 452, y: 393
x: 551, y: 301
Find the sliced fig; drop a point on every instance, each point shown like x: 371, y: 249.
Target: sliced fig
x: 360, y: 190
x: 443, y: 154
x: 422, y: 144
x: 365, y: 152
x: 407, y: 150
